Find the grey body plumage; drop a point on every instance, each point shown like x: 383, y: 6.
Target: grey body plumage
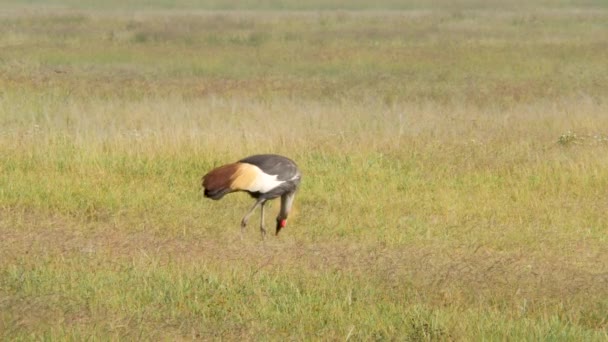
x: 284, y: 168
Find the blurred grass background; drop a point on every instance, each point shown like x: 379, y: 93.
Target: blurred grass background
x: 453, y: 157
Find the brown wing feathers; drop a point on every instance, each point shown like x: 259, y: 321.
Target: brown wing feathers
x: 228, y: 178
x: 217, y: 181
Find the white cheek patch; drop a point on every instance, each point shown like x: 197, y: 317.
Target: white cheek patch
x: 263, y: 182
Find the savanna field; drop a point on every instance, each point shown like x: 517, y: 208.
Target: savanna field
x: 454, y: 159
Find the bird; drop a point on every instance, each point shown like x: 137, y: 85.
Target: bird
x: 264, y: 177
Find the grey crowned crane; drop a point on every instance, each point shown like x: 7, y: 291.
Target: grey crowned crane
x: 264, y: 177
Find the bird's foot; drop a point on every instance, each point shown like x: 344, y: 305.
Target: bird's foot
x: 263, y: 231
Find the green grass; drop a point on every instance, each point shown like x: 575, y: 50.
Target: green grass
x: 291, y: 5
x: 453, y: 159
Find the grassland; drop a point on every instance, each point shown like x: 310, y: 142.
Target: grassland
x: 454, y: 161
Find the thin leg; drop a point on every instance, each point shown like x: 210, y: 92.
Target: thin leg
x: 246, y: 217
x: 262, y: 229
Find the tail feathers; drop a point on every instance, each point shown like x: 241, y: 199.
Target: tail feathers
x: 217, y: 181
x: 216, y: 194
x: 228, y: 178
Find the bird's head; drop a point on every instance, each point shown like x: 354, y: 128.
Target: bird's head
x: 281, y: 223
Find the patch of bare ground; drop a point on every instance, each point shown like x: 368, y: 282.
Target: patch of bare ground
x: 436, y: 273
